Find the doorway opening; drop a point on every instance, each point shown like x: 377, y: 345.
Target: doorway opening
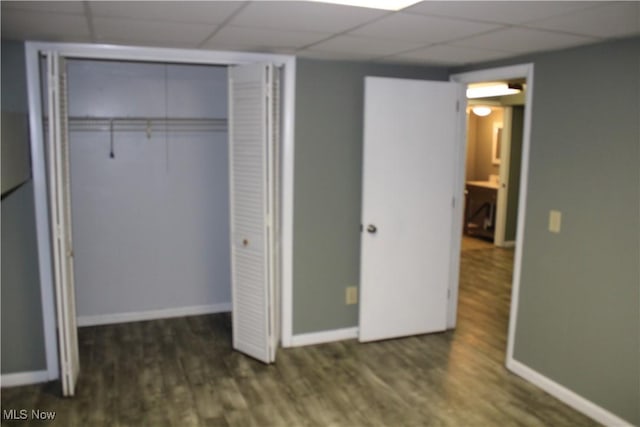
x: 492, y: 167
x: 492, y: 174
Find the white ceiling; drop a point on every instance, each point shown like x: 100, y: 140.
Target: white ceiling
x: 430, y: 32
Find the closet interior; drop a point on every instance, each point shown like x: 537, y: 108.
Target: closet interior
x: 149, y: 174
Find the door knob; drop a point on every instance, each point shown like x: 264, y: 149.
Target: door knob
x: 372, y: 228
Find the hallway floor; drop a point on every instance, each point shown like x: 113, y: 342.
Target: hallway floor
x: 182, y: 372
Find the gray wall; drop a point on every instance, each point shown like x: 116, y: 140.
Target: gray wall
x: 151, y: 225
x: 328, y: 180
x: 579, y: 306
x: 22, y: 329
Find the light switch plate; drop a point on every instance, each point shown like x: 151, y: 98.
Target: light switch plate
x: 555, y: 219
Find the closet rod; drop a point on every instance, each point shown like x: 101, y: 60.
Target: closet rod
x: 146, y: 124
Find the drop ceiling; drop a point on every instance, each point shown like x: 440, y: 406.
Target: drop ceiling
x: 430, y: 32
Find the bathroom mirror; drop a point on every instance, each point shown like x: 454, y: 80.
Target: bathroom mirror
x: 496, y: 143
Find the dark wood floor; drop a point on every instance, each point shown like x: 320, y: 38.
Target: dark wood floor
x: 182, y: 372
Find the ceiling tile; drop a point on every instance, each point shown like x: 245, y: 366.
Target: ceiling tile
x: 450, y: 55
x: 151, y: 32
x: 613, y: 19
x: 27, y: 25
x: 522, y: 40
x: 503, y: 12
x: 421, y: 29
x: 69, y: 7
x: 241, y: 37
x: 304, y: 16
x: 206, y: 12
x: 364, y: 45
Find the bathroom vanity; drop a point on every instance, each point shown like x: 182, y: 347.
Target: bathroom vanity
x: 480, y: 208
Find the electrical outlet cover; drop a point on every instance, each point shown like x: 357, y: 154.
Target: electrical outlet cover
x: 351, y: 295
x: 555, y: 219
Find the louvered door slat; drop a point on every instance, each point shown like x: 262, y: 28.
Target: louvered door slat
x: 250, y: 207
x: 60, y: 203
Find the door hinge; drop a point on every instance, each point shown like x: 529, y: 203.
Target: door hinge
x: 453, y: 202
x: 448, y: 293
x: 458, y: 106
x: 67, y: 367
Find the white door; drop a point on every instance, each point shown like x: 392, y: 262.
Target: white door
x: 408, y: 188
x: 60, y: 205
x: 253, y: 134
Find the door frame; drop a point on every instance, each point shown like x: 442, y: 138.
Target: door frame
x: 151, y: 54
x: 509, y: 72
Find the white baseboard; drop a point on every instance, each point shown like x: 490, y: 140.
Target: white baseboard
x: 509, y: 244
x: 24, y: 378
x: 567, y: 396
x: 107, y: 319
x: 324, y: 337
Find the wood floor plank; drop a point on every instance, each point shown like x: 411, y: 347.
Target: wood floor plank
x: 183, y: 372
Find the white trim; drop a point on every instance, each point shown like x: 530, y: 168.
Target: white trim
x: 324, y: 337
x: 158, y: 54
x: 515, y: 71
x: 567, y: 396
x: 165, y: 313
x: 508, y: 244
x: 41, y: 198
x: 24, y: 378
x: 286, y: 213
x: 132, y: 53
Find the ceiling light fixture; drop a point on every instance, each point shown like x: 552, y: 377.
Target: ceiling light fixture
x: 481, y: 110
x: 373, y: 4
x: 486, y: 90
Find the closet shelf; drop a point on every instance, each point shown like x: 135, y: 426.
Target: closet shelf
x: 146, y: 124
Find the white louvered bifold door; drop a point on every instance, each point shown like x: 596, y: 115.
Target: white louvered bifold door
x: 60, y: 205
x: 253, y: 138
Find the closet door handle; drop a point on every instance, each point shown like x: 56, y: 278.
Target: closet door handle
x: 372, y: 229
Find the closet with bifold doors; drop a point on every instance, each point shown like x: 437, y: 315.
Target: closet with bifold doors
x: 163, y: 184
x: 149, y: 189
